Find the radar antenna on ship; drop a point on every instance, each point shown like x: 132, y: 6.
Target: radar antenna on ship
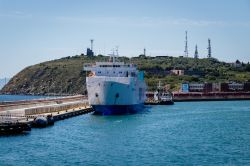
x: 117, y: 52
x: 114, y: 55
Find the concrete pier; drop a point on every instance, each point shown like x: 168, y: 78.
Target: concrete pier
x: 27, y: 111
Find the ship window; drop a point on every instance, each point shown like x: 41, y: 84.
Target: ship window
x: 114, y: 72
x: 99, y: 72
x: 120, y: 72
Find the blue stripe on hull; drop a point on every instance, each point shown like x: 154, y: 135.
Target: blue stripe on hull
x: 117, y: 109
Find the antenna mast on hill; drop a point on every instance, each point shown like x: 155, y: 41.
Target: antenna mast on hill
x: 196, y: 54
x: 209, y: 49
x: 92, y: 41
x: 186, y: 46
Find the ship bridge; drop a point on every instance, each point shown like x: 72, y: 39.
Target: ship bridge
x: 112, y: 69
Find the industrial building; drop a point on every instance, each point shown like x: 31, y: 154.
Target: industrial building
x: 215, y: 87
x: 90, y: 51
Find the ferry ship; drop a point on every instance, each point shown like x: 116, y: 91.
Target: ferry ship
x: 115, y: 87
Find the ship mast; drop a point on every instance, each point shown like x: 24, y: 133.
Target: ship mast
x: 114, y: 54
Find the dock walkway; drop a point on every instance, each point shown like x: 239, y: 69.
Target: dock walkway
x: 28, y: 111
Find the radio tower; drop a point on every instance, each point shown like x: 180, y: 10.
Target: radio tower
x: 209, y: 55
x: 92, y: 41
x: 196, y: 55
x: 186, y: 46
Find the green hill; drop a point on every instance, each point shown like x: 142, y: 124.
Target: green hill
x: 65, y: 75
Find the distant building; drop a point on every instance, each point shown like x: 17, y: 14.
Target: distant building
x: 192, y: 87
x: 185, y: 87
x: 235, y: 86
x: 208, y: 87
x: 90, y: 52
x: 177, y: 72
x: 196, y: 73
x: 247, y: 86
x: 232, y: 86
x: 216, y: 87
x: 224, y: 87
x: 237, y: 64
x: 196, y: 87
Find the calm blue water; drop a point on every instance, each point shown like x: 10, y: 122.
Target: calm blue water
x: 189, y: 133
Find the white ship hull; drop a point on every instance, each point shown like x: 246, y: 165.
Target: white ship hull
x: 115, y: 95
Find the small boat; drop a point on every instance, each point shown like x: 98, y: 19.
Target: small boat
x: 163, y: 96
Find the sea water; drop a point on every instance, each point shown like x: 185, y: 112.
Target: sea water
x: 187, y: 133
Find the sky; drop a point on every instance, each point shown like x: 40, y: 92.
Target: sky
x: 33, y: 31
